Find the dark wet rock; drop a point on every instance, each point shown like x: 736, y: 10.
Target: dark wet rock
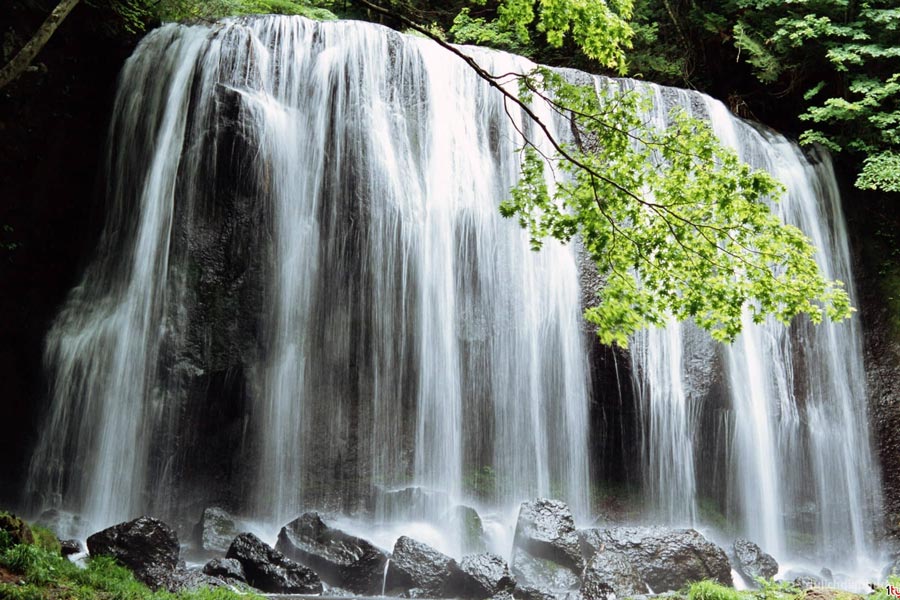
x: 465, y: 519
x: 751, y: 562
x: 826, y: 575
x: 483, y: 576
x: 543, y: 574
x: 340, y: 559
x: 183, y: 580
x: 18, y: 530
x: 546, y: 529
x: 546, y: 553
x: 215, y: 530
x: 666, y: 559
x: 145, y: 545
x: 417, y: 568
x: 269, y: 570
x: 70, y: 547
x: 226, y: 569
x: 610, y: 574
x: 525, y: 592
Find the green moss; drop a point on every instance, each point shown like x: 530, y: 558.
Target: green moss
x: 16, y: 530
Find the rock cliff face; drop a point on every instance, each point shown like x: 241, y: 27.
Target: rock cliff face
x: 53, y: 123
x: 874, y: 223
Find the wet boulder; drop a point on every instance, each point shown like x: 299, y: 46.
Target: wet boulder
x: 185, y: 580
x: 610, y: 574
x: 751, y: 562
x: 215, y: 530
x: 483, y: 576
x: 546, y: 552
x: 227, y: 569
x: 418, y: 569
x: 340, y: 559
x: 70, y: 547
x: 145, y: 545
x: 525, y: 592
x: 803, y: 579
x: 269, y: 570
x: 666, y: 559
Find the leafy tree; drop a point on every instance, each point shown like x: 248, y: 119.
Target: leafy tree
x: 839, y: 60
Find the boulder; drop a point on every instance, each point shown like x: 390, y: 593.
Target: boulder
x: 70, y: 547
x: 543, y: 574
x: 215, y: 530
x: 751, y: 562
x: 524, y: 592
x: 145, y: 545
x: 226, y: 569
x: 184, y: 580
x: 419, y: 570
x: 610, y: 574
x: 17, y: 529
x: 666, y: 559
x: 483, y: 576
x: 803, y: 579
x: 340, y: 559
x: 546, y: 552
x: 271, y: 571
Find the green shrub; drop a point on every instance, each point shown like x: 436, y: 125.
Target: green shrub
x: 45, y: 539
x: 710, y: 590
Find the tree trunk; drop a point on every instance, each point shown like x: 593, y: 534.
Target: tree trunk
x: 21, y: 60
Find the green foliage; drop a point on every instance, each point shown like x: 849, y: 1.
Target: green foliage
x: 477, y: 30
x: 677, y: 225
x: 45, y: 539
x: 47, y: 574
x: 882, y: 593
x: 600, y: 30
x: 710, y: 590
x: 768, y: 590
x: 137, y: 15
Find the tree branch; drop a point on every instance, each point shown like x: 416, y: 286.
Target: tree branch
x: 22, y: 60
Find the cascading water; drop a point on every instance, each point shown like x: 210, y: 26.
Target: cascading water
x: 386, y: 326
x: 801, y: 480
x: 305, y: 297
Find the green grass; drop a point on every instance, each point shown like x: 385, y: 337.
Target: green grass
x: 48, y: 575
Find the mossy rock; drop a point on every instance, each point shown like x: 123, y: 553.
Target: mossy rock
x: 824, y: 593
x: 16, y: 529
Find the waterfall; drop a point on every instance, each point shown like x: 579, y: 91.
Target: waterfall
x: 305, y: 232
x: 802, y: 480
x: 304, y: 297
